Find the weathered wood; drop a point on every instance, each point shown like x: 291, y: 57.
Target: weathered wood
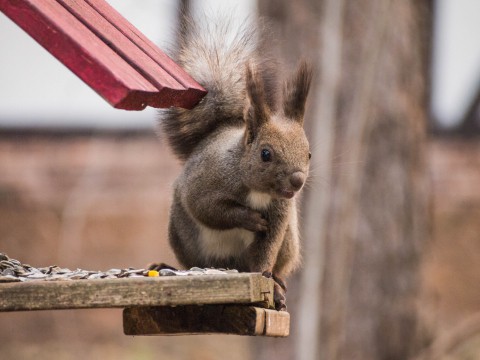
x: 277, y: 323
x: 244, y: 288
x: 111, y: 63
x: 207, y: 319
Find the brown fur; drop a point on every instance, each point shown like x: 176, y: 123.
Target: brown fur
x: 245, y: 159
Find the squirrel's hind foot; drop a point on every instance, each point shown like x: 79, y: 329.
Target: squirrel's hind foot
x: 279, y: 290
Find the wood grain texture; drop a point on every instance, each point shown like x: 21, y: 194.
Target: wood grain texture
x: 105, y: 59
x: 245, y: 288
x: 207, y: 319
x: 277, y: 323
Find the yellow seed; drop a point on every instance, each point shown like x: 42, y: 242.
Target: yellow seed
x: 152, y: 273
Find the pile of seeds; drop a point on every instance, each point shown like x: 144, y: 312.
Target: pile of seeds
x: 12, y: 270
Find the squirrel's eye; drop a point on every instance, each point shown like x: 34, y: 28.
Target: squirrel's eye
x: 266, y: 155
x: 309, y: 155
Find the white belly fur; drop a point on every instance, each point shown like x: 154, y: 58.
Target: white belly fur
x: 221, y: 244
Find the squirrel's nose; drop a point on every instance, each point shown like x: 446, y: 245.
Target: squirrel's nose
x: 297, y: 179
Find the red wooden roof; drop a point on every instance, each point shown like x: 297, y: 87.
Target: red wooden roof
x: 107, y: 52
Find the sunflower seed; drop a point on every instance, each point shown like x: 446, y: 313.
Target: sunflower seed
x: 12, y: 270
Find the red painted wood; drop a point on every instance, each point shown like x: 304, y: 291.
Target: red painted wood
x: 194, y: 91
x: 170, y: 91
x: 108, y: 61
x: 81, y: 51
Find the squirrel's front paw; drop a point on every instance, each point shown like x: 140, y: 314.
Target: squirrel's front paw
x: 254, y: 221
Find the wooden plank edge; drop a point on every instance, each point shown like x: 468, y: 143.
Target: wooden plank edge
x: 262, y: 287
x: 277, y: 323
x: 206, y: 319
x: 119, y: 293
x: 195, y: 92
x: 170, y: 91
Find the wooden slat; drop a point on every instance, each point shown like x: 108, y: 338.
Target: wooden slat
x: 207, y: 319
x: 194, y: 91
x: 242, y: 288
x: 107, y: 70
x: 81, y: 51
x: 170, y: 91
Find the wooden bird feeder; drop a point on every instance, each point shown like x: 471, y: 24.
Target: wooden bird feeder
x: 238, y: 304
x: 117, y: 61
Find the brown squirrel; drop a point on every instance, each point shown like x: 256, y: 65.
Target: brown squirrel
x: 245, y: 158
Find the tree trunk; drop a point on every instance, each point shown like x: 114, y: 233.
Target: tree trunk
x: 366, y: 217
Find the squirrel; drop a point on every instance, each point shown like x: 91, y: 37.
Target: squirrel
x: 244, y: 157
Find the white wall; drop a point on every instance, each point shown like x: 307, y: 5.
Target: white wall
x: 456, y: 66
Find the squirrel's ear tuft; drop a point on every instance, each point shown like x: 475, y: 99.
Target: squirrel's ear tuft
x: 295, y: 92
x: 257, y: 111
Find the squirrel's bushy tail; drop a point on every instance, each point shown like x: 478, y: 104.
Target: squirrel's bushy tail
x: 215, y: 53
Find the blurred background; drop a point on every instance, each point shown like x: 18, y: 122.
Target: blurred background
x: 389, y: 217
